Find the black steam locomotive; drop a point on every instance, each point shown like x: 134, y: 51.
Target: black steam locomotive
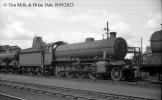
x: 87, y: 59
x: 152, y: 58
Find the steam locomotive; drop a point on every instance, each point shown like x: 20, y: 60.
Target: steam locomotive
x: 87, y: 59
x: 152, y: 58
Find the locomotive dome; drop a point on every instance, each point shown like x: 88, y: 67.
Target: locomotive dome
x: 156, y: 41
x: 89, y: 39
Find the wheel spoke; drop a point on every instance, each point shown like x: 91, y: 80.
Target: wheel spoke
x: 116, y: 74
x: 93, y: 75
x: 58, y: 71
x: 68, y: 72
x: 80, y: 75
x: 39, y: 71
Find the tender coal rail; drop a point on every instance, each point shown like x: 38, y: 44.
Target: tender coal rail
x: 9, y: 97
x: 74, y: 94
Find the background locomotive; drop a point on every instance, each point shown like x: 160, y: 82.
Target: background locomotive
x: 90, y: 58
x: 9, y: 56
x: 152, y: 58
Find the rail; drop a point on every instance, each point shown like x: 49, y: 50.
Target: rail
x: 9, y: 97
x: 134, y: 83
x: 75, y: 94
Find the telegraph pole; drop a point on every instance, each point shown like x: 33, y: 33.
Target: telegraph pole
x: 141, y: 58
x: 141, y: 45
x: 107, y: 29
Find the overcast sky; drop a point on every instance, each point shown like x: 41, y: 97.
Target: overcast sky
x: 131, y: 19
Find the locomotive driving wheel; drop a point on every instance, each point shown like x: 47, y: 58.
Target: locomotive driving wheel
x: 80, y: 75
x: 59, y: 70
x: 116, y: 73
x: 93, y: 75
x: 68, y: 72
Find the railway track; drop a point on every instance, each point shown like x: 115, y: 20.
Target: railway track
x: 74, y: 94
x: 135, y: 83
x: 9, y: 97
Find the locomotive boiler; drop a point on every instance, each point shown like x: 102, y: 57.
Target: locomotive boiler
x: 112, y: 47
x: 7, y: 56
x: 9, y: 59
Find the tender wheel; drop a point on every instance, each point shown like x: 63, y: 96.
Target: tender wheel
x: 80, y: 75
x: 145, y: 75
x: 160, y: 77
x: 93, y: 75
x: 13, y: 70
x: 23, y: 70
x: 59, y: 71
x: 40, y: 71
x: 116, y: 74
x: 68, y: 72
x: 31, y: 71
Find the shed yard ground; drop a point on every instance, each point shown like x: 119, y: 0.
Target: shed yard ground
x: 152, y: 93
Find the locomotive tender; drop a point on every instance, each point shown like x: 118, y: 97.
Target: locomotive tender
x: 87, y: 59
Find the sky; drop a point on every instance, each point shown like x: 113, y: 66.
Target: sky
x: 131, y: 19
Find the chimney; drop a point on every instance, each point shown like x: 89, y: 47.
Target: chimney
x: 113, y: 34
